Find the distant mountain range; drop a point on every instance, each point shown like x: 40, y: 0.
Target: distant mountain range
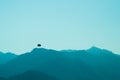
x: 48, y: 64
x: 5, y: 57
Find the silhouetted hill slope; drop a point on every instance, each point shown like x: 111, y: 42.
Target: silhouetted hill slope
x: 105, y: 62
x: 96, y: 51
x: 33, y: 75
x: 55, y: 63
x: 5, y: 57
x: 91, y: 64
x: 2, y: 78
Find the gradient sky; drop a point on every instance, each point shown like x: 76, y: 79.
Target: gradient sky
x: 59, y: 24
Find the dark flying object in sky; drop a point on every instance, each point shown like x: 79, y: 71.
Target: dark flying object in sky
x: 39, y: 45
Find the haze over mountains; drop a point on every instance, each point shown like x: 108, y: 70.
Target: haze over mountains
x: 47, y: 64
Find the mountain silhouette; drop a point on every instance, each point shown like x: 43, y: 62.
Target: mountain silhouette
x: 105, y: 62
x: 2, y: 78
x: 32, y: 75
x: 5, y: 57
x: 91, y: 64
x: 96, y: 50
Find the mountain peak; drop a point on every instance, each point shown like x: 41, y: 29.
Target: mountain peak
x: 98, y: 50
x: 94, y: 48
x: 38, y: 50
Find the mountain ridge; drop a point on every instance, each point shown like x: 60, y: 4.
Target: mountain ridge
x: 68, y: 50
x: 90, y: 64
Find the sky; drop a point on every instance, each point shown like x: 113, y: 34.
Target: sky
x: 59, y: 24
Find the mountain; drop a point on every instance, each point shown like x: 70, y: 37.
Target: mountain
x: 105, y: 62
x: 2, y: 78
x: 96, y: 50
x: 91, y: 64
x: 5, y: 57
x: 55, y: 63
x: 33, y: 75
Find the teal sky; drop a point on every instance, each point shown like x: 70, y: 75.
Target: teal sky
x: 59, y: 24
